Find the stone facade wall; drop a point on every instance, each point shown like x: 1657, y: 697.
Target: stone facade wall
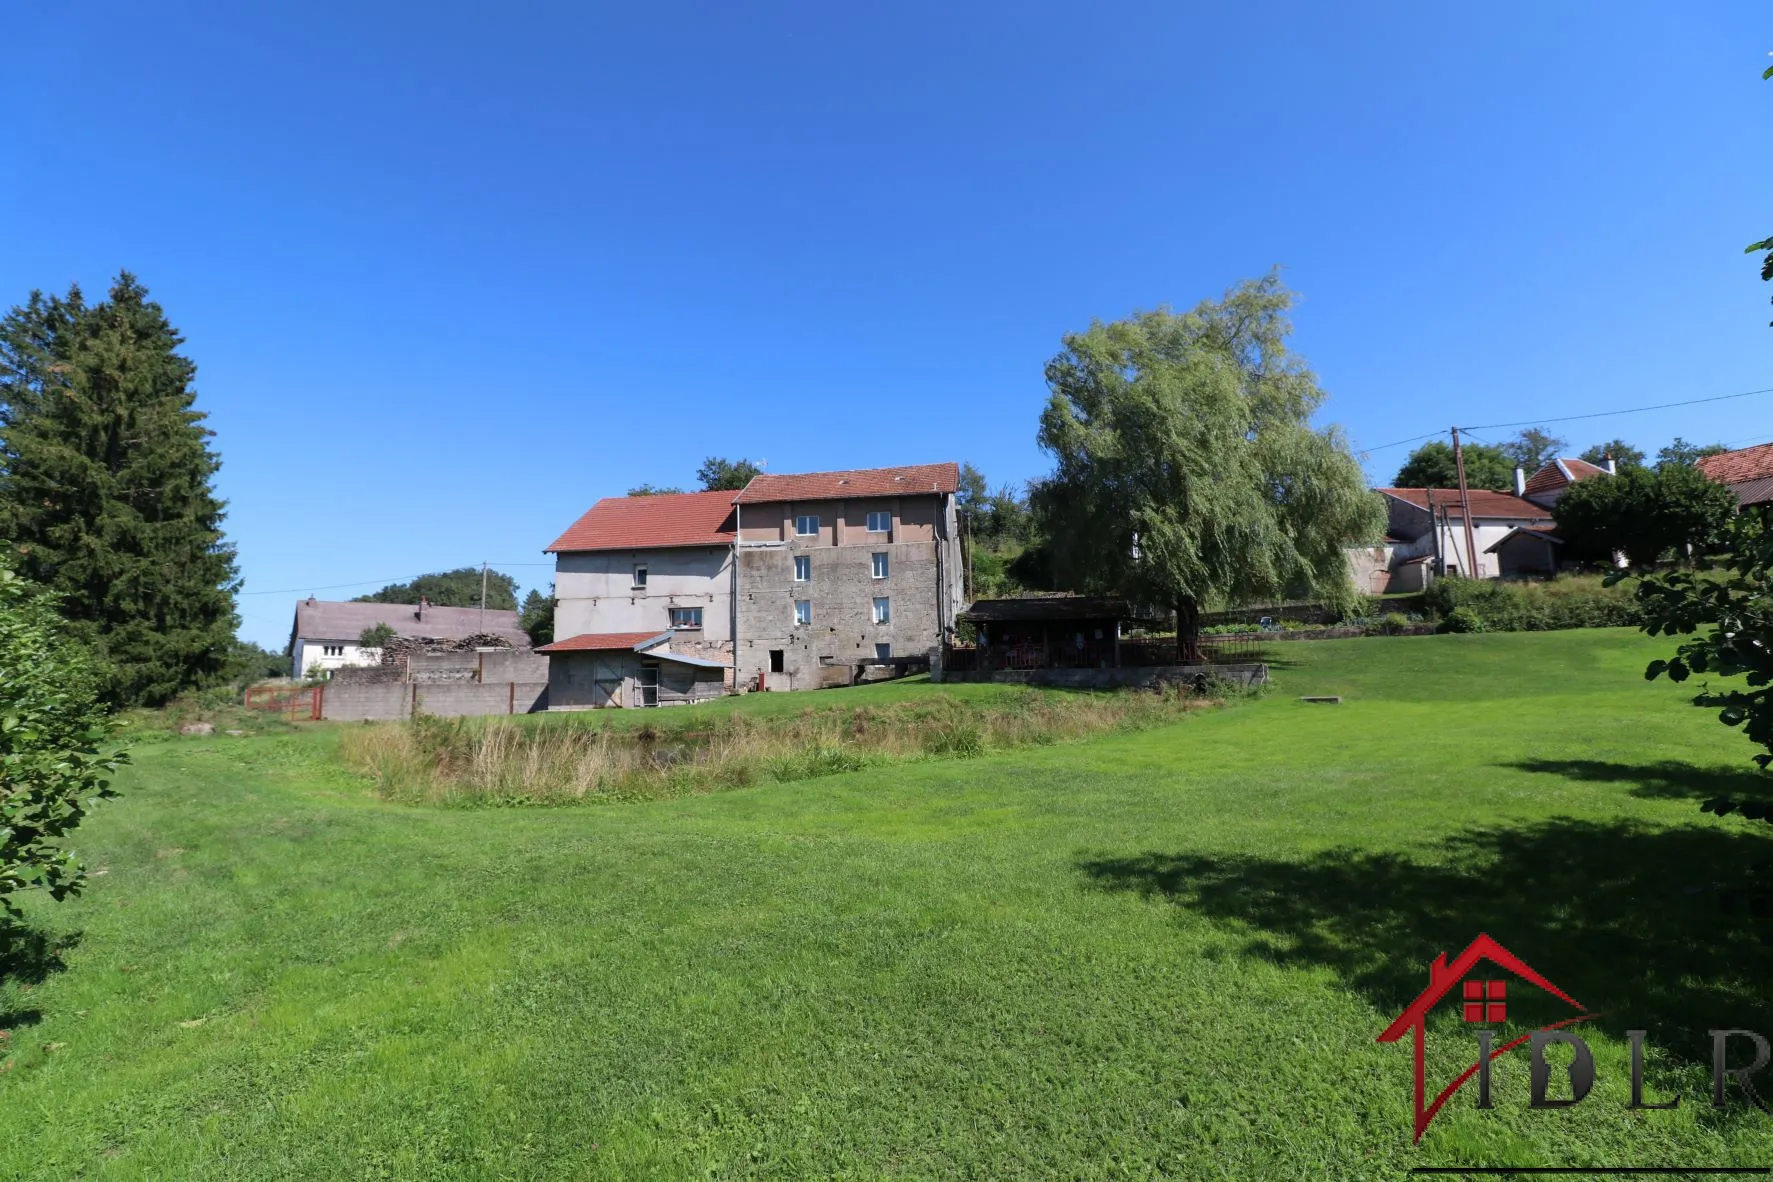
x: 841, y: 591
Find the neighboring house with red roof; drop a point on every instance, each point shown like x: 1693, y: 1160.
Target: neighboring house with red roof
x: 1545, y: 486
x: 1747, y: 472
x: 774, y: 585
x: 1513, y: 534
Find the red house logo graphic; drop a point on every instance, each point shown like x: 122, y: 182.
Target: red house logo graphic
x: 1480, y: 1000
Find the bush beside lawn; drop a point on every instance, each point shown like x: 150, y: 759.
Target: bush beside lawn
x: 1160, y: 953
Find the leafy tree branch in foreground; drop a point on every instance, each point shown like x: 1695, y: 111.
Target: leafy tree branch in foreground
x: 52, y: 730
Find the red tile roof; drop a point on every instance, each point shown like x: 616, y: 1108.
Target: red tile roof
x: 1483, y: 503
x: 598, y: 642
x: 1739, y: 467
x: 857, y: 482
x: 1553, y: 474
x: 644, y: 523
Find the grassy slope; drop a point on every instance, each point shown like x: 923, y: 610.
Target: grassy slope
x: 1161, y: 953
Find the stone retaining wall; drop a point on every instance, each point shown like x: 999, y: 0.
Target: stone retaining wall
x: 1146, y: 678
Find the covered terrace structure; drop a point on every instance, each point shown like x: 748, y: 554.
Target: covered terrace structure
x: 1052, y: 632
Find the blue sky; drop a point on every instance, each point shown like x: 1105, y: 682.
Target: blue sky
x: 451, y: 272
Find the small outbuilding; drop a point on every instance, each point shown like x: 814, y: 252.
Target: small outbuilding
x: 601, y: 669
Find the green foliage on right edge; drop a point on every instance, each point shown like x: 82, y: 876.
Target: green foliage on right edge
x: 1187, y: 467
x: 52, y: 724
x: 1728, y: 623
x: 106, y: 488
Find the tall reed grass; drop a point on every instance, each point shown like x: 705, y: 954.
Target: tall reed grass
x: 570, y: 758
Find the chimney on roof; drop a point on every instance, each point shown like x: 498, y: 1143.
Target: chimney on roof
x: 1612, y: 465
x: 1520, y: 481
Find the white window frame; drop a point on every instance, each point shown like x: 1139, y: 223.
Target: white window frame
x: 882, y: 515
x: 882, y: 564
x: 800, y: 530
x: 640, y: 574
x: 883, y: 609
x: 803, y: 612
x: 673, y: 617
x: 802, y: 563
x: 332, y: 650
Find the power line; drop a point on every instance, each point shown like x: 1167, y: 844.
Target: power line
x: 1600, y: 414
x: 378, y: 582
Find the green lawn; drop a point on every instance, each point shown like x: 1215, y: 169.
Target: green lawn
x: 1154, y: 954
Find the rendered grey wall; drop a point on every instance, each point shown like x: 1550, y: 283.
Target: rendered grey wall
x: 361, y: 702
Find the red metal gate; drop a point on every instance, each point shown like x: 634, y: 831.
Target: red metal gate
x: 294, y: 702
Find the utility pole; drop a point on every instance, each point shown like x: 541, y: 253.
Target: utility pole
x: 483, y: 581
x: 1465, y: 507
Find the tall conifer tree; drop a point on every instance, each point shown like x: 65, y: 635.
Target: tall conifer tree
x: 105, y: 487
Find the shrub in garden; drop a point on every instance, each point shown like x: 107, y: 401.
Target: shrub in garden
x: 1463, y: 619
x: 1580, y: 602
x: 52, y: 727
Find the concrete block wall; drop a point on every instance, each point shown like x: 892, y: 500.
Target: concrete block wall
x: 357, y: 702
x: 513, y: 664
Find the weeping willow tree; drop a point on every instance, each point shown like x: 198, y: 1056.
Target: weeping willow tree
x: 1187, y: 469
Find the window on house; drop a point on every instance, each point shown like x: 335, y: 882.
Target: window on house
x: 332, y: 650
x: 639, y: 574
x: 803, y: 568
x: 883, y: 652
x: 803, y: 611
x: 777, y: 662
x: 807, y: 526
x: 686, y: 617
x: 883, y: 610
x: 880, y: 522
x: 880, y: 566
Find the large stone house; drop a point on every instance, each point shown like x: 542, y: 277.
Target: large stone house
x: 836, y: 568
x: 786, y: 584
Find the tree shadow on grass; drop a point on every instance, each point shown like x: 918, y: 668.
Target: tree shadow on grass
x: 28, y: 956
x: 1653, y: 929
x: 1667, y: 780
